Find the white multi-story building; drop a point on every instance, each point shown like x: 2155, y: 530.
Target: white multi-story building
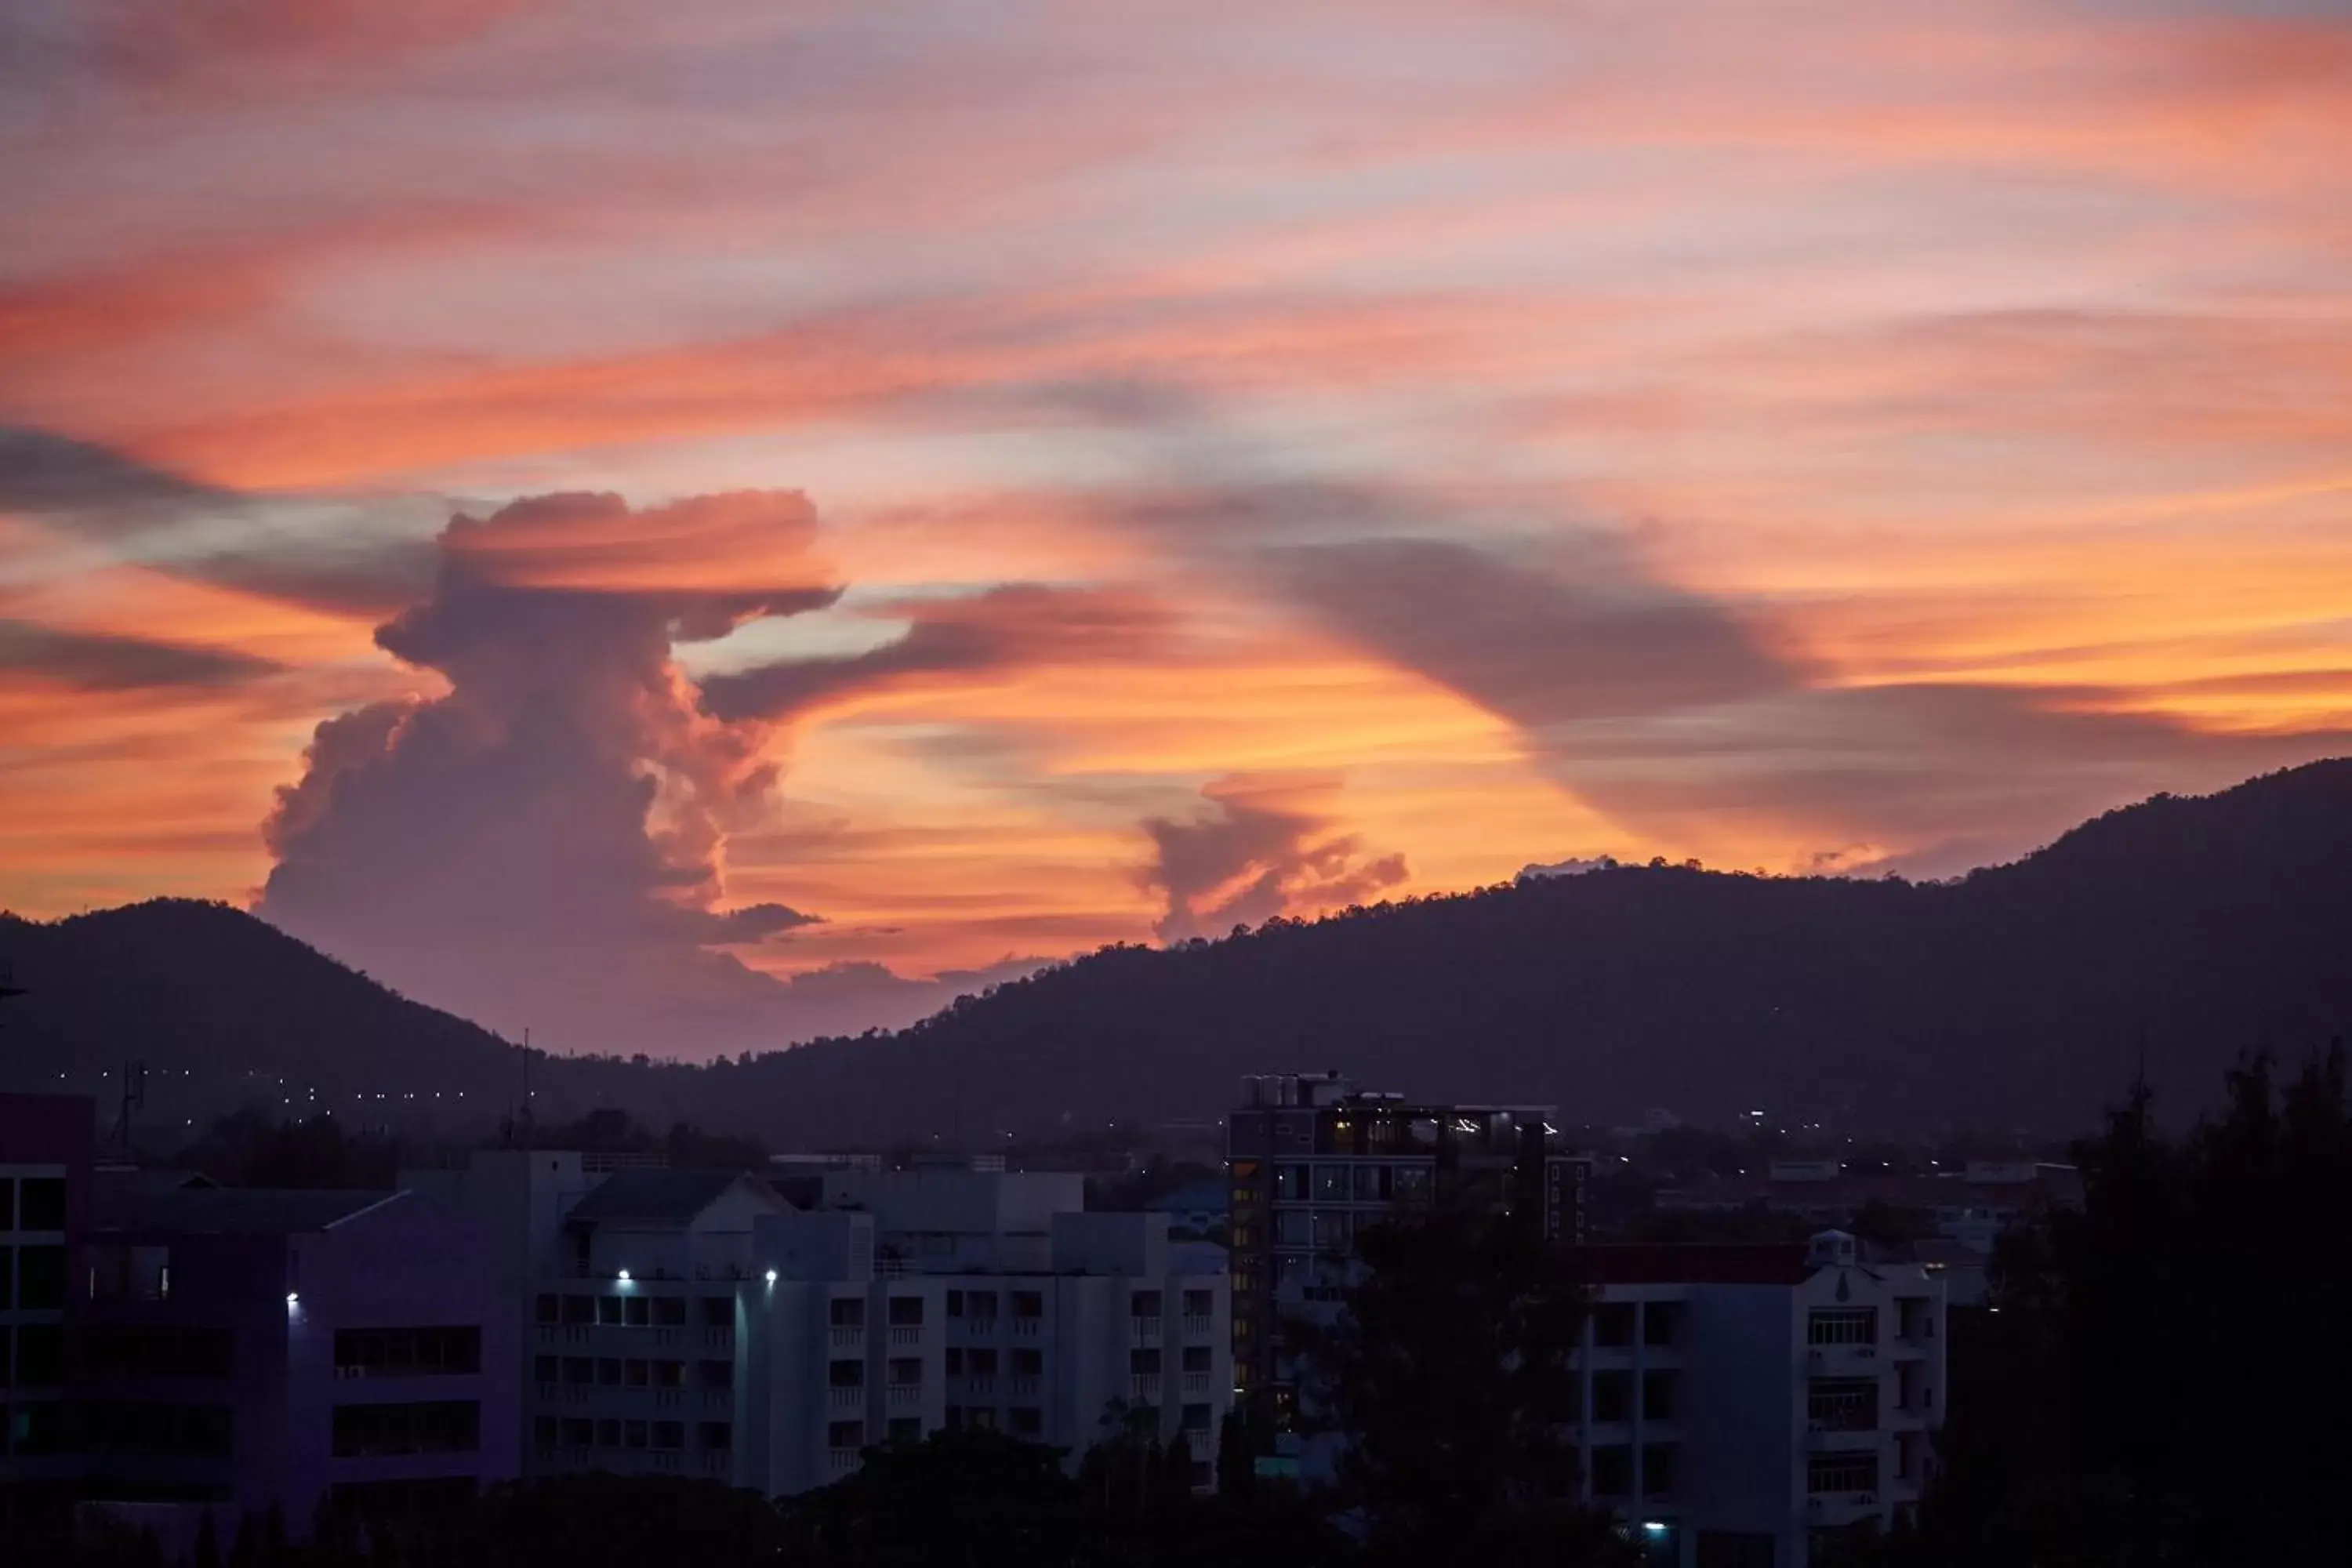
x: 697, y: 1324
x: 1748, y: 1406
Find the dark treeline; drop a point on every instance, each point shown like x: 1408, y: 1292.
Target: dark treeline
x: 2165, y: 1377
x: 2179, y: 929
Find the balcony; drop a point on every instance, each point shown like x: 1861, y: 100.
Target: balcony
x: 1851, y: 1361
x: 715, y: 1398
x: 1027, y: 1327
x: 1200, y: 1325
x: 982, y: 1386
x: 905, y: 1395
x: 1143, y: 1387
x: 669, y: 1398
x: 978, y: 1328
x: 719, y: 1339
x: 847, y: 1398
x: 906, y: 1333
x: 841, y: 1461
x: 1830, y: 1510
x: 717, y: 1462
x: 1196, y: 1382
x: 1143, y: 1330
x: 849, y: 1336
x: 1025, y: 1385
x: 1831, y: 1437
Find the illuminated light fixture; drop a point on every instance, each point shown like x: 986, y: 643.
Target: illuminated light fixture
x: 625, y: 1277
x: 772, y: 1276
x: 293, y: 1300
x: 1654, y: 1527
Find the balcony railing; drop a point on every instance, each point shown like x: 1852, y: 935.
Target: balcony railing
x: 903, y: 1394
x: 982, y: 1385
x: 906, y: 1333
x: 847, y: 1398
x: 1196, y: 1382
x: 849, y: 1336
x: 1144, y: 1386
x: 1027, y: 1327
x: 1143, y: 1328
x: 1025, y: 1385
x: 841, y: 1461
x: 1199, y: 1325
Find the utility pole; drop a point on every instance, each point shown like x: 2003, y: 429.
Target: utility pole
x: 134, y: 1098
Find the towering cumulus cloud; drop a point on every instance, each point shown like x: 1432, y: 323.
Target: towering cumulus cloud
x: 542, y: 845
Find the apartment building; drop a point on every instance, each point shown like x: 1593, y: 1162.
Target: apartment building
x: 44, y: 1177
x: 1755, y: 1406
x: 696, y: 1323
x: 249, y: 1348
x: 1311, y: 1157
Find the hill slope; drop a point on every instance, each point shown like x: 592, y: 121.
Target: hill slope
x: 2190, y: 929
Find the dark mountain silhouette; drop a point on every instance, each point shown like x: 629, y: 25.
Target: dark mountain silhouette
x: 2176, y: 933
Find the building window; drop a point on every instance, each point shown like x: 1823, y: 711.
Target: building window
x: 1662, y: 1323
x: 979, y: 1362
x: 1200, y: 1303
x: 425, y: 1427
x: 137, y: 1352
x: 408, y: 1353
x: 1289, y: 1183
x: 1143, y: 1304
x: 551, y: 1308
x: 1028, y: 1304
x: 609, y: 1310
x: 1409, y: 1184
x: 669, y: 1311
x: 608, y: 1432
x: 579, y: 1370
x: 1196, y: 1418
x: 543, y: 1431
x: 1028, y: 1364
x: 1613, y: 1396
x: 845, y: 1435
x: 632, y: 1435
x: 1657, y: 1396
x: 669, y: 1374
x: 669, y: 1436
x: 1371, y: 1183
x: 1831, y: 1473
x: 1612, y: 1324
x: 981, y: 1418
x: 1659, y: 1461
x: 906, y: 1371
x: 546, y: 1369
x: 714, y: 1375
x: 904, y: 1429
x: 848, y: 1311
x: 1612, y: 1471
x: 1025, y: 1420
x: 636, y: 1375
x: 41, y: 1204
x: 905, y: 1311
x: 579, y: 1432
x: 638, y: 1312
x: 1331, y: 1184
x: 579, y: 1309
x: 1843, y: 1404
x: 1143, y: 1363
x: 608, y: 1372
x: 136, y: 1429
x: 980, y: 1304
x: 717, y: 1312
x: 1199, y: 1358
x: 715, y: 1437
x: 1841, y: 1326
x: 846, y: 1374
x: 1292, y: 1227
x: 41, y: 1278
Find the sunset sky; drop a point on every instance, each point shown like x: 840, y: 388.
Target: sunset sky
x: 580, y: 507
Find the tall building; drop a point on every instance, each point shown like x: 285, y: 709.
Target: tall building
x: 251, y: 1350
x: 697, y: 1324
x: 1311, y: 1157
x: 45, y: 1182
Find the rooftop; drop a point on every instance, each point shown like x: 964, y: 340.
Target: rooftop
x: 651, y: 1195
x: 251, y: 1211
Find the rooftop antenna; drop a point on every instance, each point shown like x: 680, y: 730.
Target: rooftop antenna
x: 134, y: 1098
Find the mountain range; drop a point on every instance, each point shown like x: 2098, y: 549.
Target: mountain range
x: 2164, y: 937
